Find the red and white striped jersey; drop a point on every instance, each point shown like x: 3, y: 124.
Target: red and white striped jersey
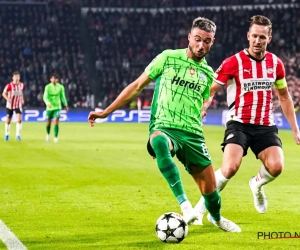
x: 15, y: 94
x: 249, y: 84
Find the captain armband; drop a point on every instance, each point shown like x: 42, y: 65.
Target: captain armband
x: 280, y: 84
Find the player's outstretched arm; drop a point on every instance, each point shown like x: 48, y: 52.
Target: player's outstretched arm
x: 131, y: 91
x: 213, y: 89
x: 287, y: 106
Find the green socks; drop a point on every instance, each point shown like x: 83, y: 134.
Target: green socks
x: 167, y: 166
x: 48, y: 127
x: 213, y: 204
x: 56, y: 131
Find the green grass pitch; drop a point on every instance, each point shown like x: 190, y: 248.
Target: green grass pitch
x: 99, y: 189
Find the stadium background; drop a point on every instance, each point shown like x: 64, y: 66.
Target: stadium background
x: 98, y: 188
x: 99, y: 47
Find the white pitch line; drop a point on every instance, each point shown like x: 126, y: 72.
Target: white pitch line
x: 9, y: 239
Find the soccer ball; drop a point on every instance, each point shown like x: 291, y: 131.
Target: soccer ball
x: 171, y: 228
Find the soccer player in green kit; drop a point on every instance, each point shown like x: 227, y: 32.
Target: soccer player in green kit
x: 183, y: 79
x: 54, y: 95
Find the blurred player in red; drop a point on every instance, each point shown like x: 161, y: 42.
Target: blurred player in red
x: 13, y: 93
x: 250, y: 76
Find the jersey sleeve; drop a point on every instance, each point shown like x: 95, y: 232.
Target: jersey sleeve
x: 280, y: 81
x: 206, y: 92
x: 7, y: 88
x: 224, y: 72
x: 155, y: 68
x: 63, y: 96
x: 46, y: 95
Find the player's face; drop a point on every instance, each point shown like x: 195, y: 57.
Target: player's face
x: 200, y: 42
x: 258, y: 37
x: 53, y: 79
x: 16, y: 78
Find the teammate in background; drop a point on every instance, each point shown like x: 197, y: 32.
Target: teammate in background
x: 250, y: 75
x: 54, y: 95
x: 13, y: 93
x: 183, y: 79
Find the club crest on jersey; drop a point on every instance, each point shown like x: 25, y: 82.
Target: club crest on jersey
x: 270, y: 70
x: 202, y: 77
x: 192, y: 71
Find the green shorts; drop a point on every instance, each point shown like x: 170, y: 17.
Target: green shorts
x: 189, y: 148
x: 50, y: 114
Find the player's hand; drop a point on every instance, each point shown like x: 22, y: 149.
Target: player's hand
x: 94, y: 115
x: 296, y: 136
x: 203, y: 114
x: 49, y: 106
x: 67, y: 108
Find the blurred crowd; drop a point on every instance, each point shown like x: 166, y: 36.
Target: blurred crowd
x: 125, y: 43
x: 175, y: 3
x: 38, y: 40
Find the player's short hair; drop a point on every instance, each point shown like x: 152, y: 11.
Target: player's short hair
x: 54, y: 75
x: 15, y: 73
x: 261, y: 20
x: 204, y: 24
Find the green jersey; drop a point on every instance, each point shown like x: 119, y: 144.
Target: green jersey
x: 54, y: 95
x: 180, y: 87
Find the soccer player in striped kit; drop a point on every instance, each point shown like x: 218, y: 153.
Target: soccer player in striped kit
x: 249, y: 76
x: 13, y: 93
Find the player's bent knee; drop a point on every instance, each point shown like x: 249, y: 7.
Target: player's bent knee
x: 275, y: 169
x: 274, y: 165
x: 230, y: 170
x: 159, y: 142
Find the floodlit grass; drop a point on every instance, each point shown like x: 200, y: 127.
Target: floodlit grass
x: 99, y: 189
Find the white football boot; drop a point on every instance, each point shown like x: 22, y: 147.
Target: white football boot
x: 225, y: 224
x: 55, y: 139
x: 260, y: 199
x: 189, y: 214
